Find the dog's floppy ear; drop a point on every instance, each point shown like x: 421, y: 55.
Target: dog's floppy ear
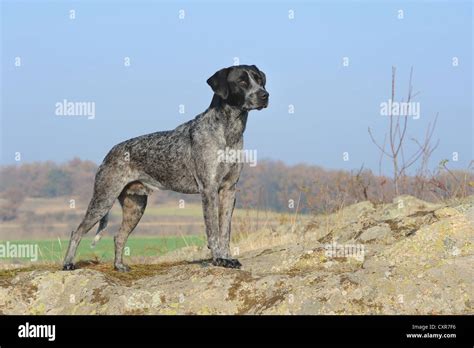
x: 219, y: 84
x: 262, y: 75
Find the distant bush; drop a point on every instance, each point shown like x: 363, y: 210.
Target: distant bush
x: 58, y: 183
x: 9, y: 209
x: 271, y: 185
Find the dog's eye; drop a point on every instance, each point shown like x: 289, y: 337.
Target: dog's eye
x: 243, y: 83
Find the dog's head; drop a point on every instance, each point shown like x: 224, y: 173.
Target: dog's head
x: 242, y: 86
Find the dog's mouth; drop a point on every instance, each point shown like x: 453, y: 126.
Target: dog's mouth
x: 262, y: 106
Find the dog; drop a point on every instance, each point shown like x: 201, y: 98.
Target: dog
x: 184, y: 160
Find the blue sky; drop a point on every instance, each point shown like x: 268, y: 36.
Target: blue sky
x: 171, y: 59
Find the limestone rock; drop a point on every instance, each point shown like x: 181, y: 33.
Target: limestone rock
x: 411, y: 259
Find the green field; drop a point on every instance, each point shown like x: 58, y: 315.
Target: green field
x: 54, y: 250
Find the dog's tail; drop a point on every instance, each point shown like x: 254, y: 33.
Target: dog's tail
x: 102, y: 226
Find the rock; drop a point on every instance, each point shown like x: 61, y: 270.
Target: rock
x: 416, y: 260
x: 470, y: 215
x: 406, y: 205
x: 377, y: 232
x: 446, y: 212
x: 355, y: 211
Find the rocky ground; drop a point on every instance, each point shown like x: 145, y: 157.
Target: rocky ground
x: 408, y: 257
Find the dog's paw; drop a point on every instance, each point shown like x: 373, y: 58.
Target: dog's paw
x: 69, y: 267
x: 122, y: 268
x: 227, y: 263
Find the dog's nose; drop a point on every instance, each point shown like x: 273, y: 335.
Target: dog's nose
x: 263, y: 95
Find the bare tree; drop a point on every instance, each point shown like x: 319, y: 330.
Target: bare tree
x: 397, y: 137
x: 358, y: 185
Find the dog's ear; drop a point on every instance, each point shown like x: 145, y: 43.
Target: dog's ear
x: 264, y: 77
x: 219, y: 84
x: 262, y: 74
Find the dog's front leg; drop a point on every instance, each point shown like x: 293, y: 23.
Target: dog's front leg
x: 226, y: 208
x: 210, y: 204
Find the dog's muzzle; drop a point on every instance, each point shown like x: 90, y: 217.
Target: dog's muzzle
x: 262, y: 99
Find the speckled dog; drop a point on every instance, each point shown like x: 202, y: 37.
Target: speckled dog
x: 183, y: 160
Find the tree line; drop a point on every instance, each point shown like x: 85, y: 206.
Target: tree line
x: 271, y: 185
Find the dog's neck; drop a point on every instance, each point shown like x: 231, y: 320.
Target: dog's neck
x: 233, y: 117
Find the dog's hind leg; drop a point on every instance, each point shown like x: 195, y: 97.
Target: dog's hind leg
x: 93, y: 215
x: 106, y: 190
x: 133, y: 202
x: 102, y: 226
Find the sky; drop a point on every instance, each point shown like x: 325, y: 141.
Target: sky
x: 138, y: 61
